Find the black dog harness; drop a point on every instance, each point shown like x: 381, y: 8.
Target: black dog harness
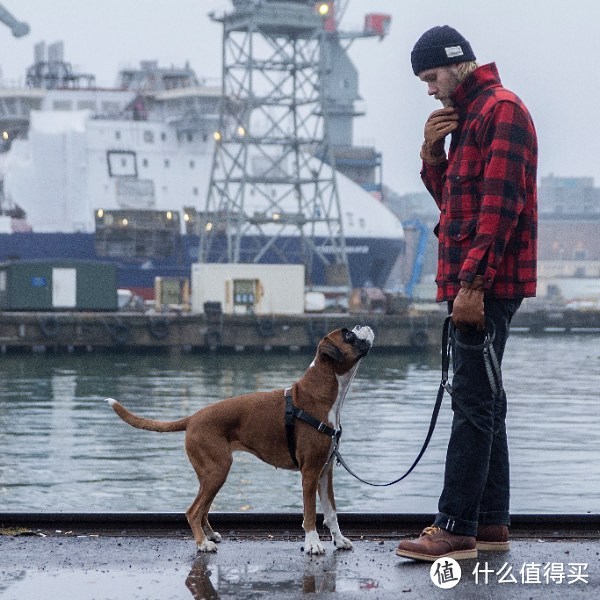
x: 292, y: 413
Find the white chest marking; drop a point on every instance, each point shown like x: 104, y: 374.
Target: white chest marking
x: 344, y: 382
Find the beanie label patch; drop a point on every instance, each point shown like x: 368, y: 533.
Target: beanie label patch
x: 452, y: 51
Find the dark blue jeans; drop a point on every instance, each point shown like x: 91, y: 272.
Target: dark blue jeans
x: 476, y: 480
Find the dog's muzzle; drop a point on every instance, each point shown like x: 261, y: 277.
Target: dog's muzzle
x: 364, y: 338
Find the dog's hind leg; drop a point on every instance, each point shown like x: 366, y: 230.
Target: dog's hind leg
x: 194, y: 517
x: 211, y: 476
x: 329, y: 512
x: 312, y: 543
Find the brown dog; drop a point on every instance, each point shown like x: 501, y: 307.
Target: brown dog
x: 256, y: 423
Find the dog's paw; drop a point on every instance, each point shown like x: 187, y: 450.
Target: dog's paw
x: 213, y: 536
x: 314, y: 548
x: 342, y: 543
x: 312, y: 544
x: 207, y: 546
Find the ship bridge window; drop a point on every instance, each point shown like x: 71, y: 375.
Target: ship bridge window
x: 163, y: 136
x: 149, y: 137
x: 362, y: 222
x: 167, y: 163
x: 117, y: 135
x: 350, y: 217
x: 145, y: 162
x: 192, y: 164
x: 121, y: 164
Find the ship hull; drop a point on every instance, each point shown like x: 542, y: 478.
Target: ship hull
x: 370, y: 260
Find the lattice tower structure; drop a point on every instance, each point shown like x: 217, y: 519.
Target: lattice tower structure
x: 273, y: 174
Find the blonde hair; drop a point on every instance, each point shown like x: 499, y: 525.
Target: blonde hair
x: 464, y: 69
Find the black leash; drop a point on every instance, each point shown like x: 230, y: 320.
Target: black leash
x: 492, y: 367
x: 444, y: 386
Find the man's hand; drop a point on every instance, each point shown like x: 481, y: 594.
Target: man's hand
x: 467, y: 308
x: 440, y: 123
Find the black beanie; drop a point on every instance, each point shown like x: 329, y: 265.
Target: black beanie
x: 439, y: 47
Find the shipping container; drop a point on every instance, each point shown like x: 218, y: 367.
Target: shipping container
x: 58, y: 285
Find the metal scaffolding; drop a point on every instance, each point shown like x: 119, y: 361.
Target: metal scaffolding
x: 273, y: 176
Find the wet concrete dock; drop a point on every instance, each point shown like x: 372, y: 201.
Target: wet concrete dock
x: 81, y: 559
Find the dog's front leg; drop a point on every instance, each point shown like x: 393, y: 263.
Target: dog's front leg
x: 312, y: 543
x: 329, y: 513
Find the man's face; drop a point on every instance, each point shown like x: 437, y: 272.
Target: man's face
x: 441, y: 82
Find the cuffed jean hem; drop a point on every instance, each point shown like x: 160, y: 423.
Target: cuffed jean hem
x: 457, y: 526
x: 494, y: 518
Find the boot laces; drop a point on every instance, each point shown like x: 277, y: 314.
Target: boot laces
x: 433, y: 529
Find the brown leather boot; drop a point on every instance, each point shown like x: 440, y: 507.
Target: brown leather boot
x: 436, y: 543
x: 493, y: 537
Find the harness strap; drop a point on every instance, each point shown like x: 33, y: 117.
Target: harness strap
x: 289, y: 425
x: 293, y: 412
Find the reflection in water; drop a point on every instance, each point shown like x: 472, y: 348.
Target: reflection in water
x: 64, y: 449
x: 206, y: 580
x: 199, y: 581
x: 320, y: 575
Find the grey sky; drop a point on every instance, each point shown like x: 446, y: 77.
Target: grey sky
x: 547, y: 51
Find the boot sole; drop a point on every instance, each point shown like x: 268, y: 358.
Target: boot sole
x: 493, y: 546
x: 456, y: 555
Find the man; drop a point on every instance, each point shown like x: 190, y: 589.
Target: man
x: 485, y: 189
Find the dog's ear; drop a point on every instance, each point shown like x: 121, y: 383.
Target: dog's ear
x: 327, y: 348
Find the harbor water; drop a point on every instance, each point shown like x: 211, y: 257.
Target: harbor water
x: 63, y: 449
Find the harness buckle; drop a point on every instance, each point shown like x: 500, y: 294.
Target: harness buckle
x: 322, y: 427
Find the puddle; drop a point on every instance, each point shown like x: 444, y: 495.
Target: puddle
x: 206, y: 580
x: 93, y: 585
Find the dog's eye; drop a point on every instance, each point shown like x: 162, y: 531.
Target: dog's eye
x: 349, y: 337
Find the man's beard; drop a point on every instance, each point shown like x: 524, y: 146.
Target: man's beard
x: 447, y: 101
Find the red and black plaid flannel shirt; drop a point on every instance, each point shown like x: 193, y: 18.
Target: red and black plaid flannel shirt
x: 486, y: 192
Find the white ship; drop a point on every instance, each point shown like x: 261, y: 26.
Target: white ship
x: 122, y: 175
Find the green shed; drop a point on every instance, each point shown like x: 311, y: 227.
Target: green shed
x: 58, y: 285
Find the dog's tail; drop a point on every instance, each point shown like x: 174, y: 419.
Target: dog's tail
x: 148, y: 424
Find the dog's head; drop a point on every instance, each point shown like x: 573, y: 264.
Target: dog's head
x: 345, y: 347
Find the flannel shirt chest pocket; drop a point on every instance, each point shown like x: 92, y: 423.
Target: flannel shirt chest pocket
x: 462, y: 199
